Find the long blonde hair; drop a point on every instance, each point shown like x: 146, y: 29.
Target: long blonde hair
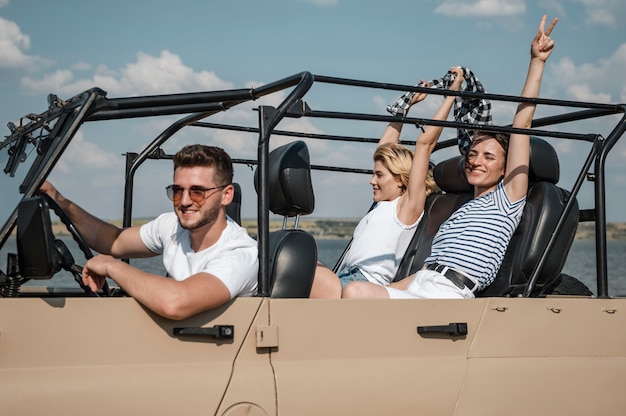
x: 398, y: 159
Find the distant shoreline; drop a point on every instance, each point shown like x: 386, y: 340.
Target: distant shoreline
x: 342, y: 228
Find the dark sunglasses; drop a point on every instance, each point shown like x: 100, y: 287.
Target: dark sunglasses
x: 196, y: 193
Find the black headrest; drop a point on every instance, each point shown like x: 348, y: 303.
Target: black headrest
x: 544, y: 166
x: 290, y: 185
x: 544, y: 163
x: 450, y: 176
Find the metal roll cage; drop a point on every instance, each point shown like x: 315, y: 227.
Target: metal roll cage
x: 51, y: 131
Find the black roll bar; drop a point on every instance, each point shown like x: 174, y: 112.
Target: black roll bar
x: 93, y: 105
x: 600, y: 203
x: 270, y: 117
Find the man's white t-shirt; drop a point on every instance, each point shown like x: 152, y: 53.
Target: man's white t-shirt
x: 233, y: 258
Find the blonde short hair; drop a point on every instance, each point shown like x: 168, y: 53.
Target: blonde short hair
x: 398, y: 159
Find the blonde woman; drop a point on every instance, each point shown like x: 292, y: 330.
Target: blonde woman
x: 401, y: 182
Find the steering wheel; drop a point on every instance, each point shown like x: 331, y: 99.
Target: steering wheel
x: 80, y: 241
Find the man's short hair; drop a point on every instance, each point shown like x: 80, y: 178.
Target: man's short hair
x: 208, y: 156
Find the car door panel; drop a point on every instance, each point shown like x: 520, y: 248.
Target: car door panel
x: 111, y: 355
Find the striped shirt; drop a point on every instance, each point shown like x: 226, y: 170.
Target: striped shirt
x: 475, y: 237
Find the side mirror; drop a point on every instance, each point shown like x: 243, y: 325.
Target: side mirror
x: 37, y: 255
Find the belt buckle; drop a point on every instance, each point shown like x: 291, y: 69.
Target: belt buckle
x: 454, y: 277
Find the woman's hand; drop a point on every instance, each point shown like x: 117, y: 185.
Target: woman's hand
x: 420, y: 96
x: 458, y: 80
x: 542, y: 45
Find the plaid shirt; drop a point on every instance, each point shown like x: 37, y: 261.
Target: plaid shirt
x: 467, y: 110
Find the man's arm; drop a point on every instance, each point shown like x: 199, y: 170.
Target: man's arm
x: 167, y: 297
x: 101, y: 236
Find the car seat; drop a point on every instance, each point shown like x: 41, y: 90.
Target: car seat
x: 293, y: 251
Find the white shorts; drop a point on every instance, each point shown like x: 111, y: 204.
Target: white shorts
x: 429, y: 284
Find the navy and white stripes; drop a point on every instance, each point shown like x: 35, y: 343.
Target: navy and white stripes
x: 474, y: 239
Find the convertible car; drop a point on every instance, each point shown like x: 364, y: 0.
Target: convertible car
x: 534, y: 342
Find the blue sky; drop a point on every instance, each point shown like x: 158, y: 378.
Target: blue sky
x: 153, y: 47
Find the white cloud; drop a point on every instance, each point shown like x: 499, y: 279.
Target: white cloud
x: 81, y: 66
x: 601, y: 81
x: 148, y: 75
x: 84, y: 156
x: 48, y: 83
x: 13, y: 46
x: 484, y: 8
x: 167, y: 74
x: 584, y: 93
x: 604, y: 12
x: 91, y: 176
x: 4, y: 3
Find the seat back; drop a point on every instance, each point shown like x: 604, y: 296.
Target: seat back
x: 545, y: 203
x: 293, y: 252
x: 233, y: 210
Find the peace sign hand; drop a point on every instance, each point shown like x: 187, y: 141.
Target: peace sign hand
x: 542, y: 45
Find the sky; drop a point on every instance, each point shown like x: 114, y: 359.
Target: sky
x: 137, y: 47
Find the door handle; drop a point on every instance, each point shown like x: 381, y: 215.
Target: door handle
x: 216, y: 332
x: 454, y: 328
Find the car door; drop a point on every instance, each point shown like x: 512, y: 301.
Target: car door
x: 368, y: 357
x: 107, y: 356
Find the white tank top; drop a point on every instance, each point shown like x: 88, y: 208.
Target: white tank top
x: 379, y: 243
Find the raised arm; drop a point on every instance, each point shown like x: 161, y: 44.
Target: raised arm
x: 411, y: 205
x: 393, y: 129
x: 516, y: 173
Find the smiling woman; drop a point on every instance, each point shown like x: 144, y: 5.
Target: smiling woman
x: 486, y: 161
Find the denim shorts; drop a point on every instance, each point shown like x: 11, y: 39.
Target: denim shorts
x: 351, y: 274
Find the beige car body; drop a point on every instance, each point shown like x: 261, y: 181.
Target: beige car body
x: 309, y: 357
